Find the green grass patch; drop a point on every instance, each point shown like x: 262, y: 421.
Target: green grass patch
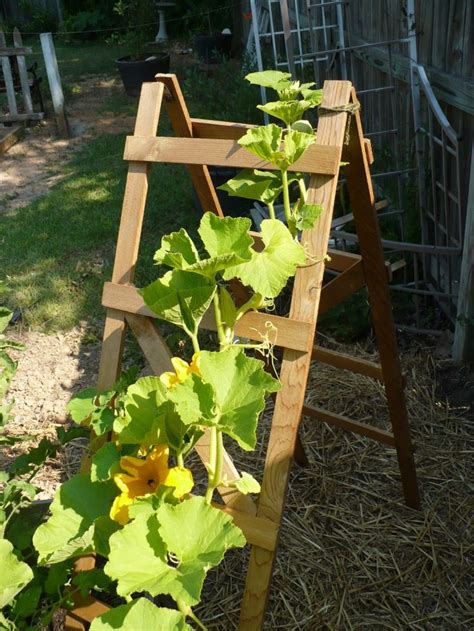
x: 57, y: 252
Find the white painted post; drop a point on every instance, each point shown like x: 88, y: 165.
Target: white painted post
x: 54, y: 80
x: 463, y: 346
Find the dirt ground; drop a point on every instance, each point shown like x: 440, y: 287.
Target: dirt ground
x: 34, y: 164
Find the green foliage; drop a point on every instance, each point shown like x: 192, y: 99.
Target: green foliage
x: 193, y: 534
x: 14, y: 575
x: 140, y: 614
x: 269, y: 270
x: 69, y: 532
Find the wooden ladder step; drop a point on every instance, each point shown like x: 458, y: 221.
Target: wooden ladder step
x: 283, y: 332
x: 317, y: 159
x: 349, y: 425
x: 347, y: 362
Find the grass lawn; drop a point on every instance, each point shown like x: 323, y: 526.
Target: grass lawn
x: 57, y: 252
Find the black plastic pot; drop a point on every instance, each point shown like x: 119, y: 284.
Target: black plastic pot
x: 134, y: 72
x: 211, y: 48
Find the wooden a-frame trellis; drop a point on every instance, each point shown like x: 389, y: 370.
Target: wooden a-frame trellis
x: 202, y: 142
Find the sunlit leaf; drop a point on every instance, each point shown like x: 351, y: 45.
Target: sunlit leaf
x: 274, y: 79
x: 264, y: 142
x: 269, y: 270
x: 177, y: 250
x: 69, y: 531
x: 180, y: 297
x: 287, y: 111
x: 105, y: 462
x: 194, y: 401
x: 247, y: 484
x: 15, y: 574
x: 195, y: 535
x: 140, y: 615
x: 240, y: 384
x: 263, y: 186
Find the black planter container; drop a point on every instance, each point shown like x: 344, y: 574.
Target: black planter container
x: 135, y: 72
x: 211, y: 48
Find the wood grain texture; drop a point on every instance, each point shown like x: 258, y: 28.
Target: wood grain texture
x: 361, y: 194
x: 257, y: 530
x: 23, y: 72
x: 130, y: 229
x: 295, y: 365
x: 7, y: 77
x: 342, y: 287
x: 347, y: 362
x: 227, y: 153
x: 283, y: 332
x: 203, y: 128
x: 182, y: 127
x: 349, y: 425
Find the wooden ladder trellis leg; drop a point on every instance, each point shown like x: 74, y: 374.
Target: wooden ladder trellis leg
x: 360, y: 189
x: 295, y: 365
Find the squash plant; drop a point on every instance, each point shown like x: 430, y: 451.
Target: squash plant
x: 138, y: 507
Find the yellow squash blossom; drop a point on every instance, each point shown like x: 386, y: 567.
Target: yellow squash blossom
x: 182, y: 371
x: 144, y: 476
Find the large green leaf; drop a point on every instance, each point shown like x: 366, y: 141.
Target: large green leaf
x: 105, y: 462
x: 264, y: 186
x: 89, y: 406
x: 14, y: 574
x: 274, y: 79
x: 287, y: 111
x: 240, y: 384
x: 226, y: 235
x: 177, y: 250
x: 195, y: 535
x: 264, y: 142
x: 70, y: 529
x: 149, y: 417
x: 296, y: 143
x: 198, y: 534
x: 268, y: 271
x: 194, y: 401
x: 140, y: 615
x: 180, y: 297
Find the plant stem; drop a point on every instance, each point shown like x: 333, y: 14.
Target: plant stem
x: 303, y: 191
x: 218, y: 317
x: 195, y: 341
x: 271, y: 210
x: 212, y: 464
x: 189, y: 613
x: 286, y: 197
x: 180, y: 460
x: 216, y: 456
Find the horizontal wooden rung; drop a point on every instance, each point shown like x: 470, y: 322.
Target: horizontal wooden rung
x: 203, y: 128
x: 13, y: 52
x: 258, y: 531
x: 347, y: 362
x: 12, y: 118
x: 283, y: 332
x: 323, y: 160
x: 349, y: 425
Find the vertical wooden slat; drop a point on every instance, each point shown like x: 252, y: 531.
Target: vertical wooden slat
x: 362, y: 200
x: 295, y: 366
x: 23, y: 72
x: 8, y: 78
x: 130, y: 229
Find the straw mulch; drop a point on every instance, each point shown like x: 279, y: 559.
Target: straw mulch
x: 351, y: 554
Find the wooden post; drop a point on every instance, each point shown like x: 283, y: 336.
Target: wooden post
x: 7, y: 76
x: 23, y: 72
x: 54, y: 80
x: 463, y: 347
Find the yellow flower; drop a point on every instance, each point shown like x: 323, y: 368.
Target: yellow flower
x: 144, y: 476
x: 182, y: 371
